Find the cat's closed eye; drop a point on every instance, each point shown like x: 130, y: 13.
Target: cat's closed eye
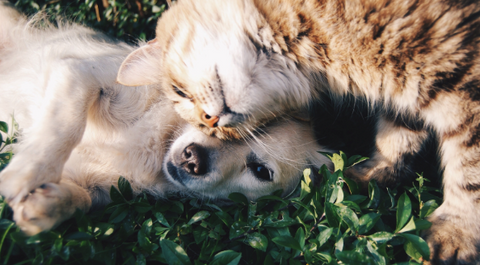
x: 180, y: 92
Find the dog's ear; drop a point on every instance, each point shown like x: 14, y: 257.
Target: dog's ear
x: 141, y: 67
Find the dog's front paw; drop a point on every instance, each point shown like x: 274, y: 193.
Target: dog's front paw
x: 43, y: 209
x: 22, y: 176
x: 14, y: 186
x: 451, y: 243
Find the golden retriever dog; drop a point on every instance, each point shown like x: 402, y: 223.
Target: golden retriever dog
x: 81, y: 130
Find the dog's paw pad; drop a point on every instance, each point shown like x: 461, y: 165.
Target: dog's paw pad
x: 42, y: 209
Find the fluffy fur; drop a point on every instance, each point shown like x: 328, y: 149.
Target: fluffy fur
x: 80, y: 131
x: 230, y: 66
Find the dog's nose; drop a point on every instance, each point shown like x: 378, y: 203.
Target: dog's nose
x: 194, y: 159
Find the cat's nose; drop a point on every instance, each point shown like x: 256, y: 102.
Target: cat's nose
x: 210, y: 121
x: 194, y: 160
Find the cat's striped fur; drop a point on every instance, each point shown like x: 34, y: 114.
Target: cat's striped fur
x: 231, y: 65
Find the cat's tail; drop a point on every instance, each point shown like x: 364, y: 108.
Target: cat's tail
x: 10, y: 18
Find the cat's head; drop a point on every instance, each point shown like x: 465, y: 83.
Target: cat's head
x: 220, y: 65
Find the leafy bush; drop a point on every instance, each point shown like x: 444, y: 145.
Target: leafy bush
x: 325, y: 224
x: 124, y: 19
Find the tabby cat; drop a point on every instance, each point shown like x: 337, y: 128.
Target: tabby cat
x: 230, y: 66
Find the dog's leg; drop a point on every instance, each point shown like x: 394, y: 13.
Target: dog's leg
x: 49, y: 205
x: 71, y: 88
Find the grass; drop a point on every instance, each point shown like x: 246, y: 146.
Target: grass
x: 331, y: 223
x: 128, y: 20
x: 327, y: 224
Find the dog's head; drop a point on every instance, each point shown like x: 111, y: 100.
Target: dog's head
x: 206, y: 167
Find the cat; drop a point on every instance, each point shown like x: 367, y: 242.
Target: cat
x: 231, y: 66
x: 80, y: 131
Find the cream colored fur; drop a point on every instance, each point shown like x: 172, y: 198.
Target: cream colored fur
x: 80, y: 131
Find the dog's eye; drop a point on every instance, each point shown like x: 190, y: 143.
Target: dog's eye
x: 179, y: 92
x: 261, y: 172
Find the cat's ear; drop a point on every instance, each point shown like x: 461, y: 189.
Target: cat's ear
x: 141, y: 67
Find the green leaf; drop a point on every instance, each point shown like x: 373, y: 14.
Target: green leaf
x: 226, y: 257
x: 199, y: 235
x: 351, y: 205
x: 177, y: 207
x: 147, y: 226
x: 378, y: 259
x: 125, y: 188
x: 198, y: 217
x: 329, y: 155
x: 408, y: 227
x: 141, y: 260
x: 161, y: 219
x: 287, y: 241
x: 352, y: 185
x: 338, y: 162
x: 273, y: 198
x: 64, y: 253
x: 306, y: 176
x: 428, y: 208
x: 374, y: 195
x: 142, y: 207
x: 5, y: 223
x: 331, y: 214
x: 324, y: 235
x: 78, y: 236
x: 104, y: 229
x: 305, y: 189
x: 367, y: 222
x: 225, y: 217
x: 339, y: 244
x: 119, y: 214
x: 354, y: 257
x: 404, y: 211
x: 42, y: 237
x: 284, y: 221
x: 300, y: 237
x: 422, y: 224
x: 322, y: 257
x: 237, y: 229
x: 339, y: 194
x: 355, y: 198
x: 173, y: 253
x: 349, y: 217
x: 238, y: 198
x: 143, y: 237
x: 353, y: 160
x: 416, y: 247
x: 3, y: 127
x: 257, y: 241
x: 381, y: 237
x: 391, y: 195
x: 115, y: 195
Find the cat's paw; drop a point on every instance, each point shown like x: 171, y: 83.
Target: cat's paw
x: 43, y: 208
x: 451, y: 243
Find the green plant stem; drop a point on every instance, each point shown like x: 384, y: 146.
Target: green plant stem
x: 8, y: 254
x: 3, y: 239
